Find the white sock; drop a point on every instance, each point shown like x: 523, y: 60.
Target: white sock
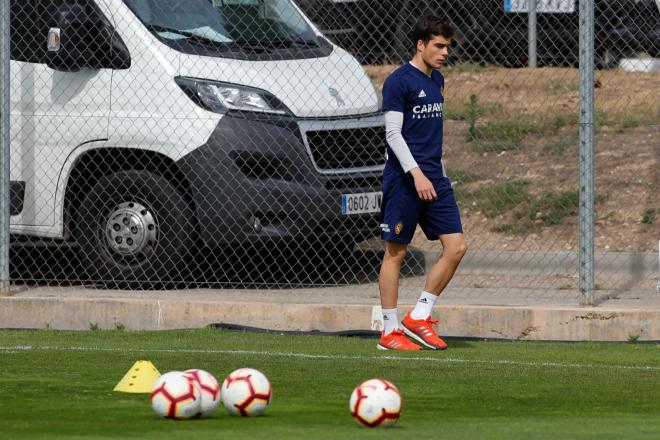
x: 390, y: 321
x: 424, y: 305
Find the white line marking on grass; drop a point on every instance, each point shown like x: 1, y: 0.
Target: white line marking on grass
x: 332, y: 357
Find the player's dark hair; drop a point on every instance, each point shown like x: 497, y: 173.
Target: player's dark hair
x: 430, y: 26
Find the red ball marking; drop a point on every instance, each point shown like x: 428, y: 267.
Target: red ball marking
x: 242, y: 407
x: 384, y: 416
x: 174, y: 401
x: 389, y: 386
x: 214, y: 391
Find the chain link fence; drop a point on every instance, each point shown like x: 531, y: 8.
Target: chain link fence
x: 239, y: 143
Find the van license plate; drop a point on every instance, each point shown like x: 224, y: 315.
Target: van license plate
x: 362, y: 203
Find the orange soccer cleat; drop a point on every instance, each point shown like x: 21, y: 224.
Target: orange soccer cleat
x: 396, y: 340
x: 421, y: 331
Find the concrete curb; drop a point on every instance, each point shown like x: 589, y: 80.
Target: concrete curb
x: 633, y: 263
x: 475, y: 321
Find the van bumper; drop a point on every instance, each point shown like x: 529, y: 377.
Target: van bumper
x: 257, y: 178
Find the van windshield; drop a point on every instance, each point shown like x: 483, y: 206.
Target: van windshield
x: 265, y: 24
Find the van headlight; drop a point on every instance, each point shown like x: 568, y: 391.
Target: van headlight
x: 220, y: 97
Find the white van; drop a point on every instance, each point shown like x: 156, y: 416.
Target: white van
x: 141, y: 128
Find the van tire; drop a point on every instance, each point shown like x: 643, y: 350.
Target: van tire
x: 135, y: 228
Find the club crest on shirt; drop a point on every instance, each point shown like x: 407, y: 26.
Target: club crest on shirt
x: 398, y: 228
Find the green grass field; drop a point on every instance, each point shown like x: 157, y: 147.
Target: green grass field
x: 59, y: 385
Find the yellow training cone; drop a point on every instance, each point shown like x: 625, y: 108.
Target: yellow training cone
x: 140, y: 378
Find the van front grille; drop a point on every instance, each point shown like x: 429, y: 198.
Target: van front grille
x: 371, y: 183
x: 349, y: 148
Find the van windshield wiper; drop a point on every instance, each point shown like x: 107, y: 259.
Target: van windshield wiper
x: 195, y: 37
x: 159, y: 28
x: 288, y: 42
x: 249, y: 45
x: 246, y: 45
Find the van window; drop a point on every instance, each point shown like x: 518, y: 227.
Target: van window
x: 27, y: 40
x: 272, y: 24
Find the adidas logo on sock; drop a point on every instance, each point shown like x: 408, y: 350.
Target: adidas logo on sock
x: 422, y: 94
x: 423, y: 300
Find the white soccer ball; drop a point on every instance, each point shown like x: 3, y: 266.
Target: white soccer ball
x: 246, y: 392
x: 375, y: 402
x: 176, y: 396
x: 209, y: 389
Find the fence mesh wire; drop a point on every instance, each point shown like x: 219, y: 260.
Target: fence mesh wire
x: 239, y: 143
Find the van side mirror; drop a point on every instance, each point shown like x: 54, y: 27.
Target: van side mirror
x: 77, y: 40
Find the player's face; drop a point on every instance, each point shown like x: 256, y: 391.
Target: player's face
x: 435, y: 52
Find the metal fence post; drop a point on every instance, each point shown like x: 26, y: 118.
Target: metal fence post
x: 531, y: 17
x: 4, y: 147
x: 586, y: 198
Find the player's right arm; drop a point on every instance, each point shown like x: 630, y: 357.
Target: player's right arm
x: 394, y: 136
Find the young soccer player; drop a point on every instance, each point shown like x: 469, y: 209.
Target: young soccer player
x: 416, y: 189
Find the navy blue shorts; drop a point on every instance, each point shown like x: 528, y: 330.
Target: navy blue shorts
x: 402, y: 210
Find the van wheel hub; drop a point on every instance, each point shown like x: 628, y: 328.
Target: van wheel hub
x: 131, y: 229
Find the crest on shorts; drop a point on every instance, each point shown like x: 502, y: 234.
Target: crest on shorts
x: 398, y: 228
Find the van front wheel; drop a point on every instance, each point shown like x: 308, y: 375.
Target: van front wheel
x: 135, y: 226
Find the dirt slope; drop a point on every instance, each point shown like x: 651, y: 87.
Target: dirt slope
x: 543, y: 103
